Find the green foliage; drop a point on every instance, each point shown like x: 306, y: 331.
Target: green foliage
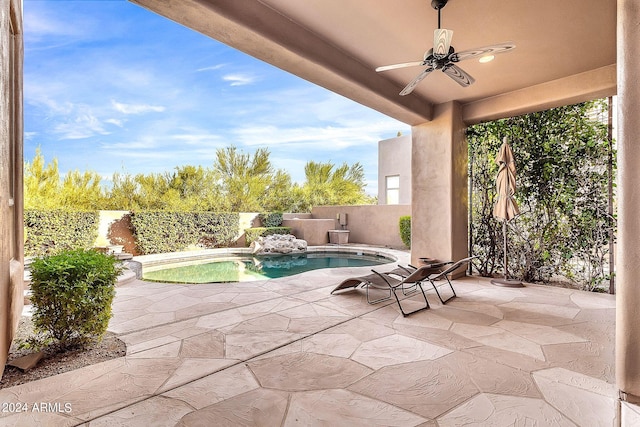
x: 561, y: 158
x: 245, y: 177
x: 405, y: 230
x: 43, y: 188
x: 48, y: 232
x: 72, y: 294
x: 236, y: 182
x: 273, y: 219
x: 161, y: 231
x: 253, y: 233
x: 188, y: 188
x: 327, y: 185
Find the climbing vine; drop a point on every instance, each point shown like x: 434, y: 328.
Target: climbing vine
x: 562, y: 158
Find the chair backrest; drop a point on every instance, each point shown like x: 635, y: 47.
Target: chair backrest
x: 456, y: 265
x: 419, y: 275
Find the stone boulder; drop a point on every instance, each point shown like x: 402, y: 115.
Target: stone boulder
x: 278, y: 244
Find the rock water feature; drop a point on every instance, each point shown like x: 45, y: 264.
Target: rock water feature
x: 278, y: 244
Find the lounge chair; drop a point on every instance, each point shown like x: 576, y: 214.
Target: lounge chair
x: 371, y: 280
x: 409, y: 280
x: 413, y: 281
x: 408, y: 285
x: 444, y: 274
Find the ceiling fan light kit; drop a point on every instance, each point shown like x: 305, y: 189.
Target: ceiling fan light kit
x: 444, y: 57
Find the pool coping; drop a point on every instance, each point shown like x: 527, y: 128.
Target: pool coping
x: 137, y: 264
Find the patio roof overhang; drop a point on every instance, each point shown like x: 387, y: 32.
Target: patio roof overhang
x: 566, y: 51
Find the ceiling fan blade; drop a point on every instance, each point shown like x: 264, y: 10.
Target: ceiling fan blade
x: 402, y: 65
x: 481, y: 51
x: 412, y: 85
x: 441, y: 42
x: 458, y: 75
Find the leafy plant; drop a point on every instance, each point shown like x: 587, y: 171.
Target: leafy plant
x: 405, y: 230
x: 72, y: 294
x: 48, y: 232
x: 273, y: 219
x: 162, y: 231
x: 562, y: 158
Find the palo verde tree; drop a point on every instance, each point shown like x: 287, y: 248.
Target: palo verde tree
x: 44, y: 188
x: 326, y: 184
x: 562, y: 160
x: 246, y: 178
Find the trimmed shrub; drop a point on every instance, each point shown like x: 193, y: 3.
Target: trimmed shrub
x: 72, y: 294
x: 49, y: 232
x: 405, y: 230
x: 252, y: 234
x: 273, y: 219
x: 161, y: 231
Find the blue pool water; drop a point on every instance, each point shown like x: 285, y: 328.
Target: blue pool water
x: 242, y: 269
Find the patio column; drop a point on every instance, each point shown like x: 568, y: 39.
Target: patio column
x: 628, y: 244
x: 439, y: 186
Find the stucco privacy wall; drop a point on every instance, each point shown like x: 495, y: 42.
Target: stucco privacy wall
x: 11, y: 208
x: 368, y: 224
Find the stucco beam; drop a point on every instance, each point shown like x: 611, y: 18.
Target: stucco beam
x: 594, y: 84
x: 254, y: 28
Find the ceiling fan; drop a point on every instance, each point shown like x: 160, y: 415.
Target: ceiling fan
x: 444, y: 57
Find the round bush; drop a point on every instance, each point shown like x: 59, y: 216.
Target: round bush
x: 72, y: 293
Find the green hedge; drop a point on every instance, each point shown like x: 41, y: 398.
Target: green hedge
x: 161, y: 231
x: 405, y: 230
x: 48, y: 232
x: 252, y: 234
x: 272, y: 219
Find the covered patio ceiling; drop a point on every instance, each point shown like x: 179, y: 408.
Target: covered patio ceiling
x: 565, y: 51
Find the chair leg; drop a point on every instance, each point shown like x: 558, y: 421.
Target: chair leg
x: 438, y: 293
x: 418, y: 284
x: 377, y: 300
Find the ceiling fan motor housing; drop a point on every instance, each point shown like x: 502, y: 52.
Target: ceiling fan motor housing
x: 438, y: 4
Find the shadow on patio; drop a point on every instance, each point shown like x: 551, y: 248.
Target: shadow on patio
x: 284, y: 352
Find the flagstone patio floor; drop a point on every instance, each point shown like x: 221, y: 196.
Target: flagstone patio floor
x: 285, y: 352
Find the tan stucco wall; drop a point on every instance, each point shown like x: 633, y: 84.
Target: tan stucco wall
x: 394, y: 158
x: 439, y: 198
x: 369, y: 224
x: 11, y: 205
x: 314, y: 231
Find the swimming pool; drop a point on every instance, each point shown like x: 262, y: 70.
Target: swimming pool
x: 244, y: 268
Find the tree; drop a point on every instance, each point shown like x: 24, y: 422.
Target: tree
x: 41, y: 183
x: 247, y: 178
x: 123, y: 194
x: 327, y: 185
x: 43, y: 188
x: 197, y: 188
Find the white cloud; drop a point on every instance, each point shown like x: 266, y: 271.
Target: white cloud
x: 239, y: 79
x: 212, y: 68
x: 83, y: 125
x: 136, y: 108
x: 117, y: 122
x: 334, y: 137
x: 199, y: 139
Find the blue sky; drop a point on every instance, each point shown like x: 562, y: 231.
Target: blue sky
x: 112, y: 87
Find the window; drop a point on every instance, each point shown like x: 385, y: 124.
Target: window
x: 393, y: 189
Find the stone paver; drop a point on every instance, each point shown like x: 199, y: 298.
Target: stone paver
x: 286, y: 352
